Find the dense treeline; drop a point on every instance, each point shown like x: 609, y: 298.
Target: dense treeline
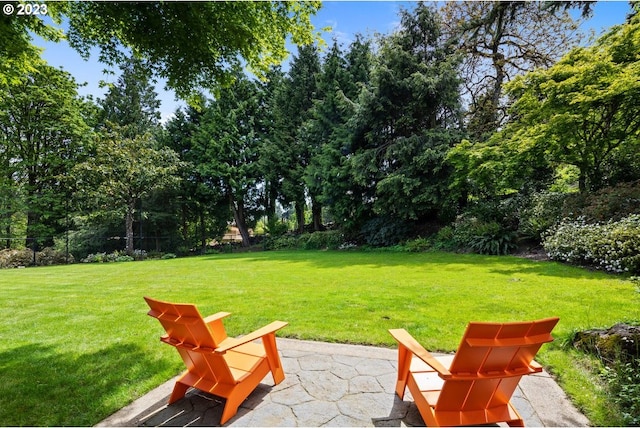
x: 463, y: 134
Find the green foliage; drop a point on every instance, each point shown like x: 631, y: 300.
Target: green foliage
x: 541, y: 211
x: 285, y: 242
x: 295, y: 143
x: 406, y: 121
x: 276, y: 227
x: 123, y: 170
x: 43, y: 133
x: 491, y: 238
x: 326, y: 240
x: 208, y: 40
x: 418, y: 245
x: 200, y: 209
x: 623, y: 380
x: 22, y: 258
x: 474, y: 234
x: 227, y: 147
x: 445, y: 239
x: 582, y: 110
x: 385, y: 231
x: 18, y: 56
x: 331, y: 170
x: 613, y: 246
x: 610, y: 203
x: 116, y: 256
x: 131, y: 102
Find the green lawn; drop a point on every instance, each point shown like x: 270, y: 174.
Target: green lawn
x: 76, y: 344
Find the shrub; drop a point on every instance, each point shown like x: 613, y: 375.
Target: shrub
x: 330, y: 239
x: 116, y: 256
x: 275, y: 227
x: 445, y: 239
x: 491, y: 238
x: 385, y: 231
x: 46, y: 257
x: 613, y: 246
x: 168, y: 256
x: 15, y: 258
x: 139, y: 255
x: 418, y: 245
x: 286, y: 242
x: 624, y: 388
x: 610, y: 203
x: 540, y: 212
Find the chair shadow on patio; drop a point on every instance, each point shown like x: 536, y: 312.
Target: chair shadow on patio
x: 198, y: 408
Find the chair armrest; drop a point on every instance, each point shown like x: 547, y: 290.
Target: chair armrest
x: 406, y: 340
x: 231, y: 342
x: 215, y: 317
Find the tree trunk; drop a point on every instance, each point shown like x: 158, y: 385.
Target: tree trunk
x: 8, y: 233
x: 238, y: 216
x: 316, y: 211
x: 203, y: 233
x: 270, y: 201
x: 131, y: 206
x: 300, y: 216
x: 31, y: 240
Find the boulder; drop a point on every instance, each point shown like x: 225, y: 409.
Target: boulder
x: 618, y: 343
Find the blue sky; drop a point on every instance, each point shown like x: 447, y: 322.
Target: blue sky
x: 347, y: 18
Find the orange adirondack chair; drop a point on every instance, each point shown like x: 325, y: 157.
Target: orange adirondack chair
x: 217, y: 364
x: 475, y: 386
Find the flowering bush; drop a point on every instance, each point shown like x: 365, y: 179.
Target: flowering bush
x: 116, y: 256
x: 613, y: 246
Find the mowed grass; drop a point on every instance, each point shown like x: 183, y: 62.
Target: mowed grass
x: 76, y: 344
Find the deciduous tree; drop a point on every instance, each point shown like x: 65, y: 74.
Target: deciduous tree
x: 192, y: 45
x: 42, y: 134
x: 584, y: 109
x: 501, y: 40
x: 122, y: 170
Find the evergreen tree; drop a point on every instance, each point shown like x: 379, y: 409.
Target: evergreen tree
x: 131, y: 103
x: 407, y: 121
x: 227, y: 151
x: 199, y: 207
x: 271, y: 129
x: 328, y: 174
x: 296, y: 100
x: 324, y: 119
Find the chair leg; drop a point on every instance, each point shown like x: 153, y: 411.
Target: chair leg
x: 404, y: 363
x: 515, y: 423
x: 269, y: 342
x: 234, y: 400
x: 179, y: 390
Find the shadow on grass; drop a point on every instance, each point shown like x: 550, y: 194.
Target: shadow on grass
x: 504, y: 265
x: 41, y: 385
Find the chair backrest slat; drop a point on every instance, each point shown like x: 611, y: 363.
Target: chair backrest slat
x: 491, y: 359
